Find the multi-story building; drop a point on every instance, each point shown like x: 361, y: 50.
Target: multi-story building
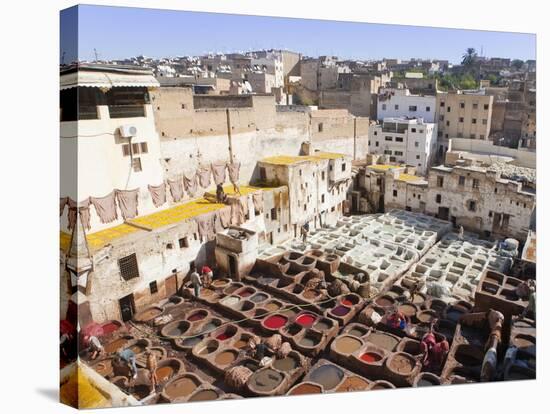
x: 395, y: 103
x: 463, y: 114
x: 318, y: 185
x: 404, y: 141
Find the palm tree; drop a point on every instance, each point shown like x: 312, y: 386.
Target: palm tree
x: 468, y: 58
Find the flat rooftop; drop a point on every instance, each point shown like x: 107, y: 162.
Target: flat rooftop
x: 163, y: 218
x: 297, y: 159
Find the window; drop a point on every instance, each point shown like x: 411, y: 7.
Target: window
x: 153, y: 287
x: 413, y: 129
x: 387, y: 138
x: 442, y: 104
x: 484, y: 121
x: 416, y: 144
x: 448, y: 123
x: 446, y: 135
x: 448, y: 109
x: 461, y: 119
x: 471, y: 205
x: 398, y: 153
x: 136, y: 164
x: 143, y: 147
x: 438, y: 198
x: 387, y: 152
x: 383, y: 107
x: 428, y: 109
x: 322, y: 198
x: 474, y: 121
x: 392, y: 159
x: 135, y: 148
x: 396, y: 107
x: 481, y: 136
x: 344, y: 166
x: 182, y: 106
x: 462, y: 105
x: 490, y: 214
x: 127, y: 102
x: 439, y: 181
x: 439, y: 134
x: 300, y: 172
x: 322, y: 175
x: 125, y: 150
x: 441, y: 117
x: 418, y: 157
x: 412, y: 108
x: 80, y: 103
x: 330, y: 168
x: 486, y: 107
x: 263, y: 174
x: 472, y: 136
x: 398, y: 139
x: 461, y: 180
x: 128, y: 267
x: 375, y: 133
x: 395, y: 193
x: 273, y: 213
x: 421, y: 131
x: 474, y: 105
x: 320, y: 127
x: 377, y: 143
x: 183, y: 242
x: 475, y: 183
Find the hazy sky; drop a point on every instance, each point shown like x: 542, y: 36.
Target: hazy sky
x: 118, y: 32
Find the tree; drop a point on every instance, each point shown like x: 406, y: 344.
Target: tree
x: 469, y: 56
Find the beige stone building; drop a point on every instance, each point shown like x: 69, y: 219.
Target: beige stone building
x: 462, y: 114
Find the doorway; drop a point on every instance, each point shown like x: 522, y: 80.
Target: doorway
x: 127, y: 307
x: 443, y: 213
x: 232, y: 266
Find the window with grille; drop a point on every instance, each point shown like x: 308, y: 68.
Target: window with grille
x: 126, y: 150
x: 128, y: 267
x: 153, y: 287
x: 183, y: 242
x: 143, y: 147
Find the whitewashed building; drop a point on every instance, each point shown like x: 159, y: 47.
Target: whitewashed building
x: 395, y: 103
x: 404, y: 141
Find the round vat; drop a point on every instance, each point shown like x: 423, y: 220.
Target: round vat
x: 225, y: 333
x: 306, y: 388
x: 207, y: 348
x: 381, y: 385
x: 401, y: 363
x: 347, y: 344
x: 286, y: 364
x: 426, y: 316
x: 385, y: 301
x: 309, y: 340
x: 110, y: 327
x: 323, y: 325
x: 306, y: 319
x: 383, y: 340
x: 226, y: 357
x: 246, y: 292
x: 117, y: 344
x: 197, y: 316
x: 468, y: 355
x: 104, y: 367
x: 329, y: 376
x: 175, y: 329
x: 426, y: 379
x: 258, y: 297
x: 181, y: 386
x: 408, y: 309
x: 275, y: 321
x: 357, y: 331
x: 220, y: 283
x: 353, y: 384
x: 205, y: 395
x: 265, y: 380
x: 340, y: 310
x: 232, y: 288
x: 272, y: 306
x: 371, y: 357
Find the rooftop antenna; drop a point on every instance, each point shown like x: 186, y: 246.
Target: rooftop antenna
x: 95, y: 54
x: 63, y: 58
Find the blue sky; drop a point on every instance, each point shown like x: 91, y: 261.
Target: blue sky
x: 118, y: 32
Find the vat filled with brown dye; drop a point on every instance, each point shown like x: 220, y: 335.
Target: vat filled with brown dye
x: 205, y: 395
x: 347, y: 344
x: 181, y: 386
x: 306, y: 388
x: 225, y: 358
x: 383, y: 340
x: 354, y: 383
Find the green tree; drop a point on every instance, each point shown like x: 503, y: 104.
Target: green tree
x: 517, y: 64
x: 468, y: 58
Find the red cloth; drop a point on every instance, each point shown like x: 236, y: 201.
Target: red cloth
x: 205, y: 269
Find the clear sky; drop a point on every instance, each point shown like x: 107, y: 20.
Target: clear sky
x: 119, y: 32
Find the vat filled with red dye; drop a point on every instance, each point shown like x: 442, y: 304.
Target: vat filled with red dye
x: 275, y: 321
x: 371, y: 357
x: 306, y: 319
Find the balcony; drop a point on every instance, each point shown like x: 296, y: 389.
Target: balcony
x: 126, y: 111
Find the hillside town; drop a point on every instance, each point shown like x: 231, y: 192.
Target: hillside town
x: 267, y: 223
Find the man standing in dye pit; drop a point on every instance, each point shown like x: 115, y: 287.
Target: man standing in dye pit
x: 196, y: 282
x: 129, y: 358
x: 305, y: 231
x: 152, y: 367
x: 207, y: 275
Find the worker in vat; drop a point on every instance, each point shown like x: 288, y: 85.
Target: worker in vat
x: 207, y: 275
x: 305, y: 232
x: 151, y: 365
x: 95, y: 348
x: 196, y: 282
x: 128, y: 357
x: 433, y: 353
x: 397, y: 320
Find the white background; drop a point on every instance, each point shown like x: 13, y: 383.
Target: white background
x: 29, y: 208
